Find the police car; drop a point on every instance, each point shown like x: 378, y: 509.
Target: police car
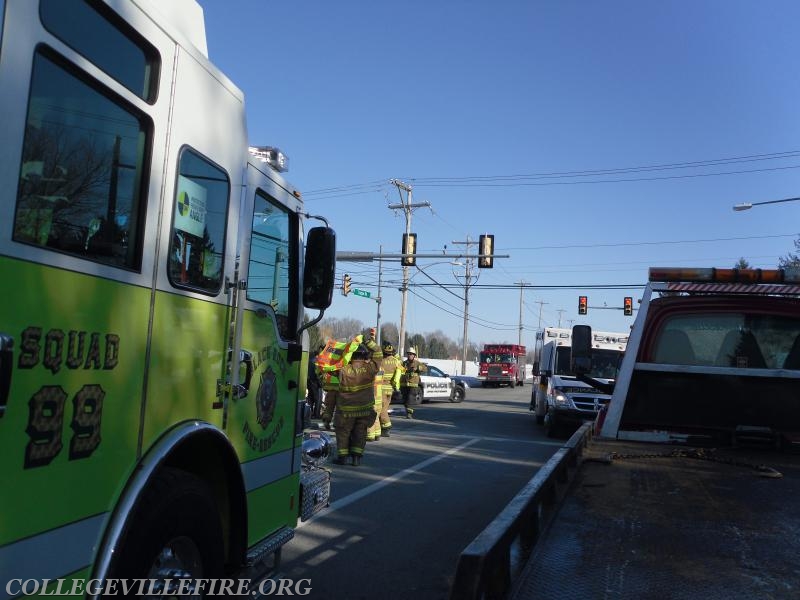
x: 435, y: 384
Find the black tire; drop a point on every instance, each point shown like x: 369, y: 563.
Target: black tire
x: 420, y: 395
x: 458, y: 394
x: 175, y: 525
x: 552, y: 428
x: 415, y: 396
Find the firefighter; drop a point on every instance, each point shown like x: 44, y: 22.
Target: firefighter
x: 409, y: 381
x: 391, y: 371
x: 374, y: 430
x: 328, y: 365
x: 355, y: 403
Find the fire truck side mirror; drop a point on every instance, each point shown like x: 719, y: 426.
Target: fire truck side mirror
x: 320, y: 268
x: 581, y: 355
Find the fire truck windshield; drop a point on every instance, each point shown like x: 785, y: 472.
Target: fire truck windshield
x: 490, y: 357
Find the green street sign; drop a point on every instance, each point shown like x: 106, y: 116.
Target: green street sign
x: 361, y: 293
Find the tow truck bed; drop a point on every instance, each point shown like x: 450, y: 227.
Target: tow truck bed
x: 671, y: 528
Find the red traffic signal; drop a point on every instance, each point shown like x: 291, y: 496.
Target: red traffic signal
x: 627, y: 306
x: 583, y: 305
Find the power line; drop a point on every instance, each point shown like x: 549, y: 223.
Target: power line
x: 534, y: 179
x: 502, y: 286
x: 497, y: 327
x: 617, y: 244
x: 613, y: 171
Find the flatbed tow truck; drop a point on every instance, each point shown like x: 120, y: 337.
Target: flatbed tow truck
x: 687, y: 485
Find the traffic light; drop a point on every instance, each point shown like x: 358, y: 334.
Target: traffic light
x: 583, y: 305
x: 486, y: 249
x: 346, y: 284
x: 627, y: 306
x: 409, y: 250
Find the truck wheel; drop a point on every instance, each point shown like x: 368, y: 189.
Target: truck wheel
x: 174, y: 528
x: 552, y: 428
x: 457, y: 394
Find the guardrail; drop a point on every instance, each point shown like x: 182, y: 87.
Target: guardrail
x: 488, y: 565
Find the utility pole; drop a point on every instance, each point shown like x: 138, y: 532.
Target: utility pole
x: 467, y: 283
x: 407, y: 207
x: 378, y: 299
x: 539, y: 333
x: 560, y: 311
x: 520, y: 284
x: 541, y: 303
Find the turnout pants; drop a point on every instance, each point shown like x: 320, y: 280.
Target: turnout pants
x: 386, y: 422
x: 351, y: 433
x: 374, y: 431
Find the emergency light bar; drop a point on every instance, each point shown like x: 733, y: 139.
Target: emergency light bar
x: 557, y: 334
x: 610, y: 339
x: 272, y: 156
x: 712, y: 275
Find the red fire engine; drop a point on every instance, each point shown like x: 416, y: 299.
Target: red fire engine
x: 502, y: 364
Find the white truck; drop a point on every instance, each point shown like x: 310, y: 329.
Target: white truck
x: 558, y: 399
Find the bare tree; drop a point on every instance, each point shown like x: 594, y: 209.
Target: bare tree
x: 791, y: 259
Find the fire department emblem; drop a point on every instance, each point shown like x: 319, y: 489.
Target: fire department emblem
x: 266, y: 396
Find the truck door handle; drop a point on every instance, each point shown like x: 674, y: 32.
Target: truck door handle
x: 246, y: 359
x: 6, y: 360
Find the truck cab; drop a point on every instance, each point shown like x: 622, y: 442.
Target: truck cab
x: 561, y: 401
x: 713, y: 359
x: 502, y: 364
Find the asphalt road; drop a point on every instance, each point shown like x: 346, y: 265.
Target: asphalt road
x: 398, y: 523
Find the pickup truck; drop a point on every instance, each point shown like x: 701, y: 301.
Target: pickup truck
x: 687, y: 485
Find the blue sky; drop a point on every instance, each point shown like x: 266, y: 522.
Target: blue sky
x: 525, y: 95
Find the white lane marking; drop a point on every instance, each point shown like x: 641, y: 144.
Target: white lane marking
x: 355, y: 496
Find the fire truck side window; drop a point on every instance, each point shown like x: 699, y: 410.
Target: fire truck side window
x: 106, y: 40
x: 198, y: 224
x: 83, y: 165
x: 273, y: 260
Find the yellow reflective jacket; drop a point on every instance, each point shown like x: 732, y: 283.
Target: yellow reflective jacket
x: 392, y: 368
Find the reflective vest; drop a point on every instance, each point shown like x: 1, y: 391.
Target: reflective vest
x: 331, y: 359
x: 392, y: 371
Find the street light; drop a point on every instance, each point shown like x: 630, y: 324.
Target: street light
x: 748, y: 205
